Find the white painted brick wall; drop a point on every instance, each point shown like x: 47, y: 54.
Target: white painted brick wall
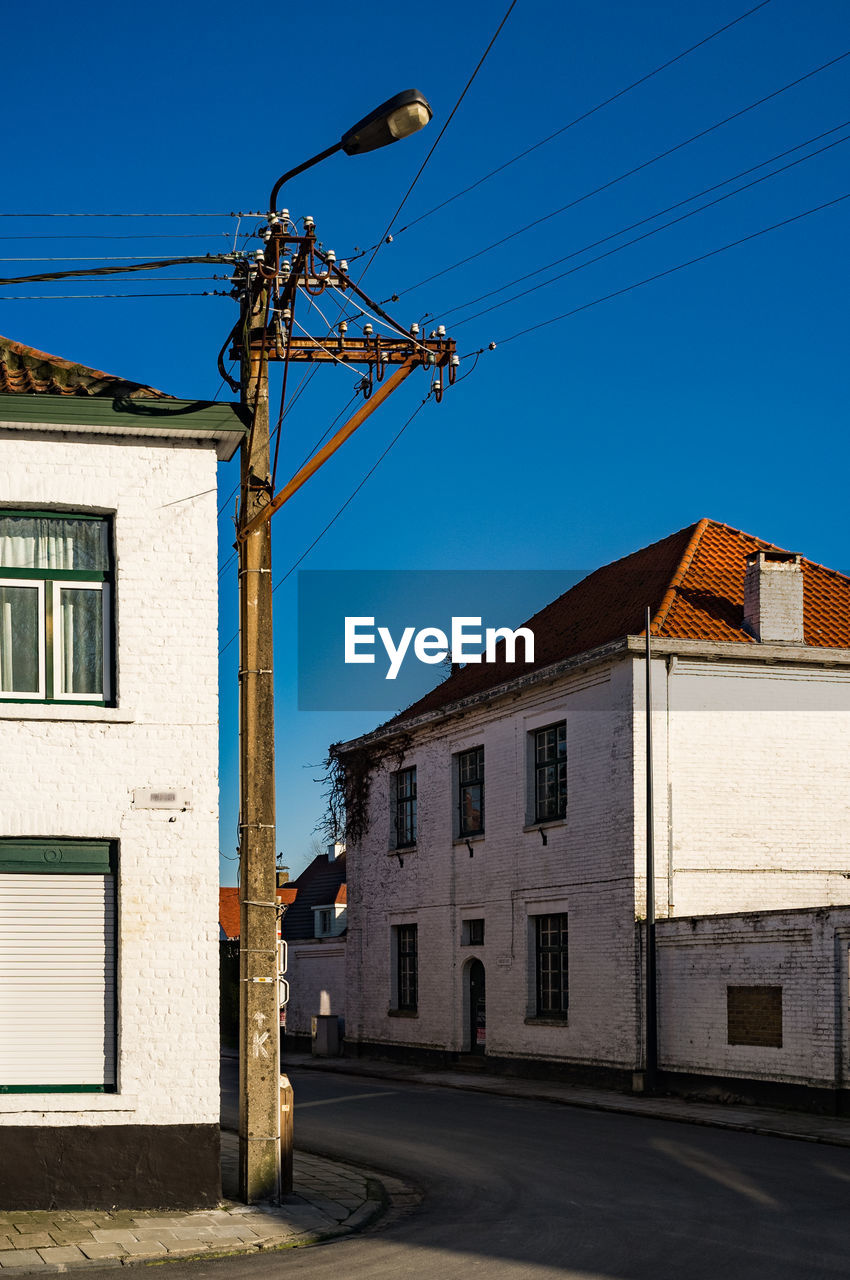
x: 315, y: 966
x: 69, y: 771
x: 585, y: 870
x: 803, y: 952
x: 752, y: 812
x: 752, y: 787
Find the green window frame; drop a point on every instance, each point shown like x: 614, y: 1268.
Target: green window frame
x: 57, y: 578
x: 33, y: 980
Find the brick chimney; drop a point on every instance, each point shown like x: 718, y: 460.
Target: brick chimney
x: 773, y: 597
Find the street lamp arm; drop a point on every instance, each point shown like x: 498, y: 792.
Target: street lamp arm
x: 293, y: 173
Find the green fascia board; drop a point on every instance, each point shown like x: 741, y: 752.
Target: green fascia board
x: 57, y: 857
x: 222, y: 423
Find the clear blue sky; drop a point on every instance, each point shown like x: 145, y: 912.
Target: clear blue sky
x: 720, y: 390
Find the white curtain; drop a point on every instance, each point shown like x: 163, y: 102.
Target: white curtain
x: 35, y: 542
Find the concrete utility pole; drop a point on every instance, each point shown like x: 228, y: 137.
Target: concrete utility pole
x: 259, y: 1050
x: 289, y: 264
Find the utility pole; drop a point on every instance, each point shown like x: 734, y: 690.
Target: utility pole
x: 259, y: 1047
x: 267, y: 288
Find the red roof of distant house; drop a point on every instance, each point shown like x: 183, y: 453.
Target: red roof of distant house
x: 341, y: 898
x: 287, y: 895
x: 27, y: 371
x: 228, y: 911
x: 693, y: 582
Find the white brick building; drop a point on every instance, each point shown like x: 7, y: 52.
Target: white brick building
x: 496, y: 862
x: 108, y: 788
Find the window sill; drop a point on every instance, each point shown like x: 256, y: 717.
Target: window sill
x: 15, y: 1103
x: 402, y: 851
x: 64, y: 711
x: 402, y: 1013
x: 547, y: 1022
x: 478, y: 838
x: 550, y: 822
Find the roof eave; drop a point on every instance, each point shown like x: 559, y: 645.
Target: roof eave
x: 662, y: 646
x: 204, y: 422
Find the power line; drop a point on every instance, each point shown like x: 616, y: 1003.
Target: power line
x: 670, y: 270
x: 207, y: 259
x: 76, y: 297
x: 454, y: 109
x: 641, y: 222
x: 347, y: 503
x: 655, y: 230
x: 248, y: 213
x: 310, y: 453
x: 662, y: 155
x: 585, y: 115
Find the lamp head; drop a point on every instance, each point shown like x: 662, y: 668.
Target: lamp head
x: 396, y: 118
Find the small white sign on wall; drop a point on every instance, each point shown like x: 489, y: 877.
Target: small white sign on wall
x: 162, y: 798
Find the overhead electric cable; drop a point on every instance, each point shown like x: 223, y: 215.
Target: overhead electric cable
x: 584, y: 116
x: 654, y: 231
x: 481, y: 60
x: 461, y: 306
x: 660, y: 275
x: 207, y: 258
x: 662, y: 155
x: 347, y: 503
x: 249, y: 213
x: 76, y: 297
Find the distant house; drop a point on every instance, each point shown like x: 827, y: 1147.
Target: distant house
x: 497, y: 879
x: 314, y: 929
x: 228, y: 914
x: 108, y: 788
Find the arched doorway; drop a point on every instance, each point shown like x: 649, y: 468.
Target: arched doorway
x: 477, y: 1008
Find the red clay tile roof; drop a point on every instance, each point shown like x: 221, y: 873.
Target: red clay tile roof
x: 286, y: 895
x: 26, y: 371
x: 693, y: 582
x: 228, y: 911
x: 341, y: 898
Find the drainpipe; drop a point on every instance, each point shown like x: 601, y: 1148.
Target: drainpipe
x: 651, y: 1058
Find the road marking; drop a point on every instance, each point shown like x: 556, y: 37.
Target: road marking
x: 347, y: 1097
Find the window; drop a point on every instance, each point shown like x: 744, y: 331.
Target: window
x: 57, y: 966
x: 472, y: 933
x: 407, y: 967
x: 324, y: 922
x: 551, y: 966
x: 470, y: 777
x: 55, y: 620
x: 404, y: 789
x: 550, y: 772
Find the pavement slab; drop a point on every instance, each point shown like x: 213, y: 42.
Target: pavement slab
x: 329, y: 1199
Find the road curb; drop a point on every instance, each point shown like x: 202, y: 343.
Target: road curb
x: 658, y: 1112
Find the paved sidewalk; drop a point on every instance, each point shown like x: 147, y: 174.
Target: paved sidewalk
x: 719, y: 1115
x: 330, y: 1199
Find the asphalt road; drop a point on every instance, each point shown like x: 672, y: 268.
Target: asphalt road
x: 519, y: 1190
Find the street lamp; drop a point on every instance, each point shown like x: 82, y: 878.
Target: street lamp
x: 398, y: 117
x: 260, y: 1100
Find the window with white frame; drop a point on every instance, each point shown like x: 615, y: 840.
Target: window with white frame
x: 549, y: 747
x: 55, y: 607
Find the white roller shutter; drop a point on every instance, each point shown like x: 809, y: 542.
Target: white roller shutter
x: 57, y: 981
